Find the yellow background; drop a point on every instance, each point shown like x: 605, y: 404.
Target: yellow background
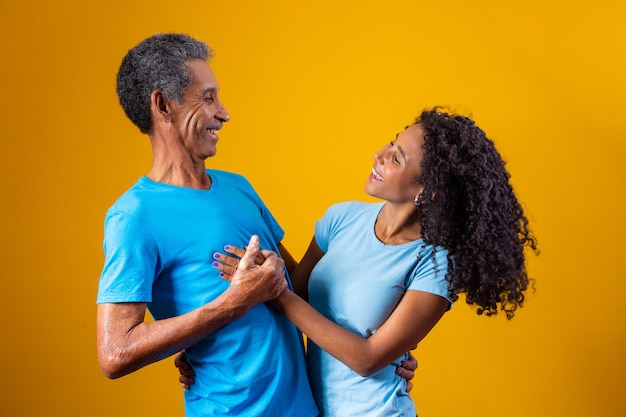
x: 314, y: 88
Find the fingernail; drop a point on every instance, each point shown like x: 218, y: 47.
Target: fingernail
x: 216, y: 255
x: 227, y: 247
x: 221, y: 274
x: 215, y: 264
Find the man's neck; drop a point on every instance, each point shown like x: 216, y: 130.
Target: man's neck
x: 181, y: 176
x: 174, y: 165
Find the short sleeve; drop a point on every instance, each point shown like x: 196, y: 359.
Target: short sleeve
x: 430, y: 273
x: 130, y: 261
x: 272, y: 224
x: 325, y: 227
x: 270, y: 221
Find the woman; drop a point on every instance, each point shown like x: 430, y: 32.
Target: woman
x: 378, y: 277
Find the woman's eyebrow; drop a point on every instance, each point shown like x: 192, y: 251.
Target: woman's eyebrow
x: 402, y: 152
x: 400, y: 149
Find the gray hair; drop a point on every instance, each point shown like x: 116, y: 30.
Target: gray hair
x: 156, y: 63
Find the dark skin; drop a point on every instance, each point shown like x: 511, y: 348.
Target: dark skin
x: 366, y: 356
x: 418, y: 311
x: 395, y: 168
x: 393, y: 179
x: 183, y: 136
x: 186, y: 372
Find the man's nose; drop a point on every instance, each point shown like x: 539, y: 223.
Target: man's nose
x: 222, y: 113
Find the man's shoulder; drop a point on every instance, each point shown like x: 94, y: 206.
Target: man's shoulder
x: 134, y: 198
x: 125, y: 194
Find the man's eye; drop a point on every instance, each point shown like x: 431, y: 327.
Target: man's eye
x: 209, y: 99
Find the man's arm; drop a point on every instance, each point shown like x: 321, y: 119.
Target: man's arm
x: 126, y: 342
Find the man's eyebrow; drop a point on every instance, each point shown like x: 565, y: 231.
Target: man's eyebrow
x: 211, y: 90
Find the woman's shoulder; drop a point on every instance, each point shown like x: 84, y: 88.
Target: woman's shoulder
x: 354, y: 207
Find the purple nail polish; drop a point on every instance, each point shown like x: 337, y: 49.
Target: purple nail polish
x: 215, y: 264
x: 216, y: 255
x: 227, y: 247
x: 221, y: 274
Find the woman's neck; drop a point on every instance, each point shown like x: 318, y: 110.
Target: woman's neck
x: 397, y: 224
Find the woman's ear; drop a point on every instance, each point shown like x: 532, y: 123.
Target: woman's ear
x: 419, y: 192
x: 419, y: 195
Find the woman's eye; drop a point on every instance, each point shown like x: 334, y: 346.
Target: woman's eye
x: 395, y: 159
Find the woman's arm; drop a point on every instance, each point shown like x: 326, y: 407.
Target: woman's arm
x: 300, y: 275
x: 290, y: 262
x: 412, y: 319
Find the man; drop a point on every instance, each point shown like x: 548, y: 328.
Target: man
x: 159, y: 238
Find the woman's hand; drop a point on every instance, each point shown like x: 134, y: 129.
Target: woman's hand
x: 185, y: 371
x: 227, y: 262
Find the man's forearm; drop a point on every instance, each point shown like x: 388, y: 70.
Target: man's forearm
x: 126, y: 343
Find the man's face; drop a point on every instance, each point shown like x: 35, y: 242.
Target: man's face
x: 200, y: 115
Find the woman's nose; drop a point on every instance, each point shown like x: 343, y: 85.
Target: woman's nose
x: 380, y: 155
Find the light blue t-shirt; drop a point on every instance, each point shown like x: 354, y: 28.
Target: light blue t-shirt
x: 159, y: 241
x: 357, y: 284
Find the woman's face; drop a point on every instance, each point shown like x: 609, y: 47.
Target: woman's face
x: 397, y: 167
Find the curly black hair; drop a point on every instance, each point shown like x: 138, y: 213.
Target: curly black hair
x: 468, y: 207
x: 156, y: 63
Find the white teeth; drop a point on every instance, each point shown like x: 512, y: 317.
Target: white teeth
x: 376, y: 175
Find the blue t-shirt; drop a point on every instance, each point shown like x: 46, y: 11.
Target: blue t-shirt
x: 357, y: 284
x: 159, y: 241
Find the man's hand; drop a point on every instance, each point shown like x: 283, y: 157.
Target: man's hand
x: 407, y: 371
x: 259, y: 276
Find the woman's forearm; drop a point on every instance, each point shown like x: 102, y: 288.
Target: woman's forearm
x: 412, y: 319
x: 353, y: 350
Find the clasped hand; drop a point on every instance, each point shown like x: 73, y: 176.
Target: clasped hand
x: 228, y: 263
x: 258, y: 274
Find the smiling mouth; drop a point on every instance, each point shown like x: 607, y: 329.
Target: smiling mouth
x: 375, y: 175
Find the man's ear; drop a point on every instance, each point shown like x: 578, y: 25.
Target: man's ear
x: 159, y: 106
